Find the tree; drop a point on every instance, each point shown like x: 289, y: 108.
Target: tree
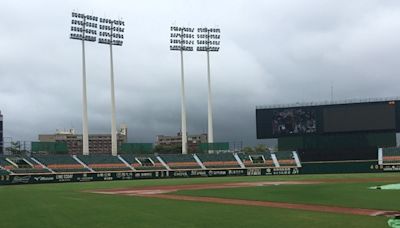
x: 16, y: 149
x: 261, y: 148
x: 167, y: 149
x: 248, y: 149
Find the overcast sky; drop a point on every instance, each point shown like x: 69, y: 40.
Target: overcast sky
x: 271, y: 52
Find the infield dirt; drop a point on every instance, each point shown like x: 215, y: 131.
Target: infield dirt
x: 165, y: 192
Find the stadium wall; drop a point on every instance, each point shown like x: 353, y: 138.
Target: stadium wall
x: 338, y: 147
x: 307, y: 168
x: 338, y: 141
x: 109, y: 176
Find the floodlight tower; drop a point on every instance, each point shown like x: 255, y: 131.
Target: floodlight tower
x: 83, y: 27
x: 182, y: 39
x: 208, y: 39
x: 111, y: 32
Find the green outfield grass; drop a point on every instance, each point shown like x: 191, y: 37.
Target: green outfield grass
x: 338, y: 194
x: 66, y: 205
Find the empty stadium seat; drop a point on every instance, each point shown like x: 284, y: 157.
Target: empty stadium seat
x: 143, y: 162
x: 180, y: 161
x: 257, y: 160
x: 223, y: 160
x: 20, y: 164
x: 285, y: 158
x: 4, y: 172
x: 61, y: 163
x: 391, y: 155
x: 103, y: 162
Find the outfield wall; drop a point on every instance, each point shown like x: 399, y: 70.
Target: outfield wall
x: 109, y: 176
x: 308, y: 168
x: 341, y: 167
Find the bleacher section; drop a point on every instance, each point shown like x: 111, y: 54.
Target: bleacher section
x: 391, y: 155
x: 223, y: 160
x: 285, y: 158
x: 5, y: 165
x: 21, y: 165
x: 103, y: 163
x: 257, y: 160
x: 4, y: 172
x: 180, y: 161
x: 129, y: 162
x: 61, y: 163
x: 143, y: 162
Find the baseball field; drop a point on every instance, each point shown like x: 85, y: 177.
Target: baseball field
x: 343, y: 200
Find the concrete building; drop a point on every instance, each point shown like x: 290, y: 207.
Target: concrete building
x: 1, y: 135
x: 98, y: 143
x: 176, y: 140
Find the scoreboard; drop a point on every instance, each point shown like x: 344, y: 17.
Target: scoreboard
x: 272, y: 122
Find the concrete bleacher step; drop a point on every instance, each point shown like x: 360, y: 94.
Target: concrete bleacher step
x: 239, y: 161
x: 380, y: 156
x: 275, y: 160
x: 11, y: 162
x: 199, y: 161
x: 163, y: 163
x: 28, y: 162
x: 125, y: 162
x: 82, y: 163
x: 296, y: 159
x: 2, y: 168
x: 42, y: 165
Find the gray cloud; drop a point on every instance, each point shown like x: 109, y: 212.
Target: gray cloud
x: 271, y: 52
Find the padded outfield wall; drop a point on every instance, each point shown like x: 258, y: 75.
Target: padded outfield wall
x: 331, y: 132
x: 338, y: 147
x: 307, y: 168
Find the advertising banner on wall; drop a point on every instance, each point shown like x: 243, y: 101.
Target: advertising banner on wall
x: 109, y: 176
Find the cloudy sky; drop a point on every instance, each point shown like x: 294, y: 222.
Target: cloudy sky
x: 271, y: 52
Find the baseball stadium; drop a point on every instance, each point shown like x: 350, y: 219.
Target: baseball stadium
x: 337, y: 164
x: 312, y: 164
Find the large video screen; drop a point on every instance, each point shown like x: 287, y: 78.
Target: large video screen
x: 293, y: 121
x: 359, y: 117
x: 325, y: 119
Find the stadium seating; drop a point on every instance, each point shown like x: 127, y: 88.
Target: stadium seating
x: 256, y: 160
x: 4, y: 172
x: 61, y: 163
x: 5, y: 165
x: 103, y: 162
x: 391, y: 155
x: 285, y: 158
x: 223, y: 160
x: 21, y: 165
x: 180, y: 161
x: 143, y: 162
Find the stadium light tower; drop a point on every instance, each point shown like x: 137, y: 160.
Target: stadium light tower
x: 83, y: 28
x: 182, y: 39
x: 111, y: 32
x: 208, y: 39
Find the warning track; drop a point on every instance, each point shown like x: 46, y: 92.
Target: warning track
x: 160, y: 192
